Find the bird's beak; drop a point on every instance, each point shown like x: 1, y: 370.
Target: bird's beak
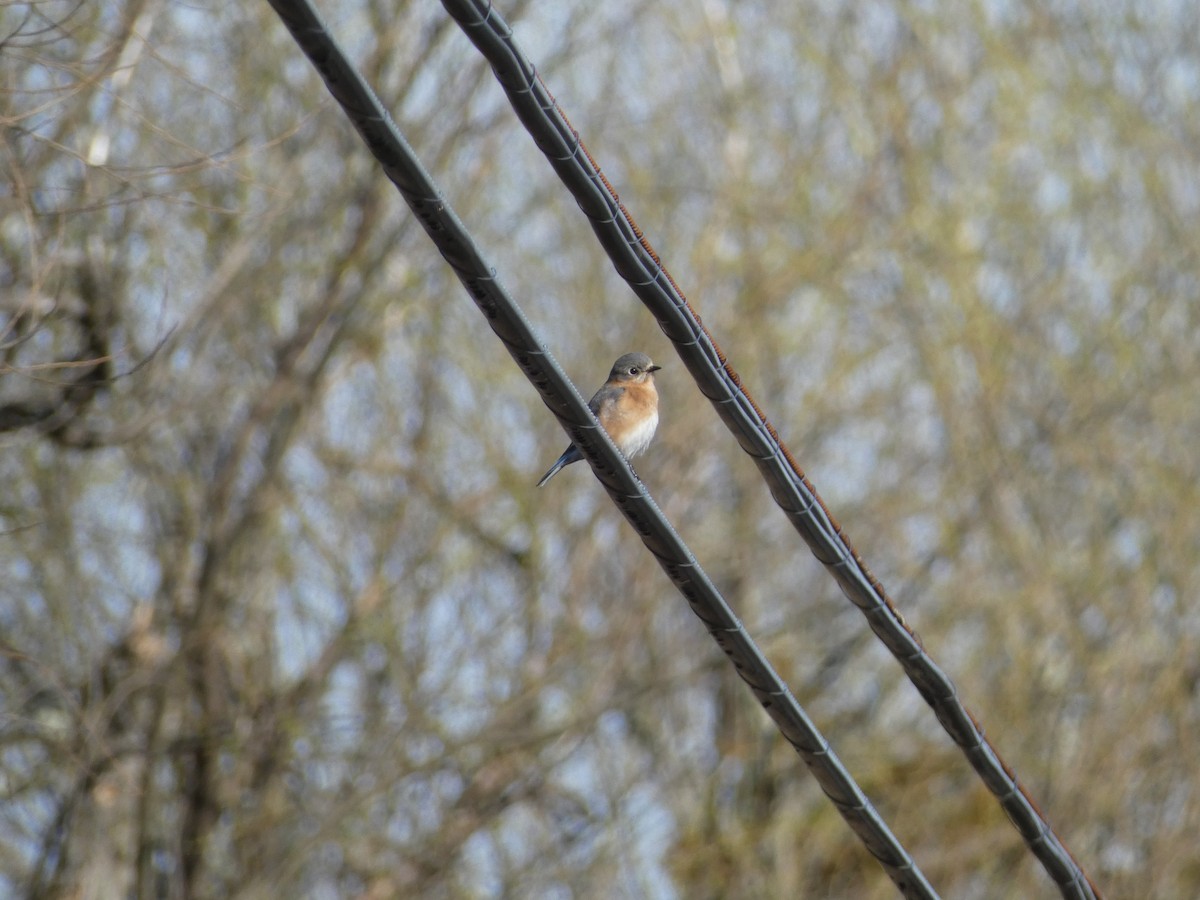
x: 653, y: 368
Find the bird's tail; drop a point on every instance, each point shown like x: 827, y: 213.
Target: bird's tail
x: 569, y: 456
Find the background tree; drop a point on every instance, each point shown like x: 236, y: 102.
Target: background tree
x: 282, y: 610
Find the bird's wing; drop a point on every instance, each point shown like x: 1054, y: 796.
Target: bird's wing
x: 604, y: 397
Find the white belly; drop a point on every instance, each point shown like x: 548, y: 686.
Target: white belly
x: 638, y: 438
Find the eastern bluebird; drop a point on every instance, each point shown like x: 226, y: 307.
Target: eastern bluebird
x: 627, y: 407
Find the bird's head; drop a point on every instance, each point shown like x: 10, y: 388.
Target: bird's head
x: 633, y: 367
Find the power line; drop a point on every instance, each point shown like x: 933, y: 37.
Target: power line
x: 508, y: 322
x: 640, y: 266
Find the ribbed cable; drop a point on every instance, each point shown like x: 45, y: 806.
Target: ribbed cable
x: 640, y: 266
x: 508, y: 322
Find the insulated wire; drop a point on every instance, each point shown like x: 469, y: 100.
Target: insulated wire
x: 508, y: 322
x: 640, y: 266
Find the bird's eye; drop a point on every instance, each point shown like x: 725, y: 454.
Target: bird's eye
x: 633, y: 370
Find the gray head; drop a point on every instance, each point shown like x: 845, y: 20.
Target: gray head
x: 635, y: 367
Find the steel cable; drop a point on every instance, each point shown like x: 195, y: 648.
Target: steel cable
x: 508, y: 322
x: 636, y: 261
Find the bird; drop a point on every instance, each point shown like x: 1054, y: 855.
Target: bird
x: 627, y: 407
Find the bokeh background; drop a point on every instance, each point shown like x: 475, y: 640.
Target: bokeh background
x: 281, y: 611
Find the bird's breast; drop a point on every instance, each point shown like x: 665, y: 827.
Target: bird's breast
x: 637, y: 437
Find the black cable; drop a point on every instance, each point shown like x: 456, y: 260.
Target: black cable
x: 638, y: 264
x: 509, y: 323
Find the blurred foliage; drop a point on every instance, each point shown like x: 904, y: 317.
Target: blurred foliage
x: 282, y: 610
